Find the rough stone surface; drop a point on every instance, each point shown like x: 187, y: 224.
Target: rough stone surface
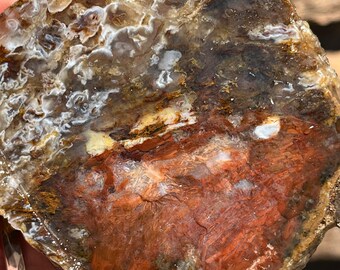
x: 167, y: 134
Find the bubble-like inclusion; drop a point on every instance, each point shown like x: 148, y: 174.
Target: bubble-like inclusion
x: 166, y: 134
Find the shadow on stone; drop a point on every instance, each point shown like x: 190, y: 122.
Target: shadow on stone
x: 329, y: 35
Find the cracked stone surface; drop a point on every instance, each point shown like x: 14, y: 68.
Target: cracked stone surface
x: 167, y: 134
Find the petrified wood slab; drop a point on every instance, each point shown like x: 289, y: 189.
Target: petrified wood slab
x: 167, y: 134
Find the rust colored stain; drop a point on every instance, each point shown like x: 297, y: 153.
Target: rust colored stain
x: 207, y: 199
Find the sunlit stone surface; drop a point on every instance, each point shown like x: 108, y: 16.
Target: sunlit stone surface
x: 167, y: 134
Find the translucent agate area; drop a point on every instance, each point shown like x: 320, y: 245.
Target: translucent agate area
x: 167, y: 134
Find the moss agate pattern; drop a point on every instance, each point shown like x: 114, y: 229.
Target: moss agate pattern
x: 167, y: 134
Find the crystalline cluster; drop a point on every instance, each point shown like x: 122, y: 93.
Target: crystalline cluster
x: 167, y: 134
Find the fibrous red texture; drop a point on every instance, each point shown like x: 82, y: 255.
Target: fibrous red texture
x: 205, y: 200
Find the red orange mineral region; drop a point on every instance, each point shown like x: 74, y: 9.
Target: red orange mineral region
x: 200, y: 199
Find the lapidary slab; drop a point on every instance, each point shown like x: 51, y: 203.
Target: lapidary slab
x: 167, y: 134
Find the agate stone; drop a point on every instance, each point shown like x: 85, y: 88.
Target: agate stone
x: 167, y: 134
